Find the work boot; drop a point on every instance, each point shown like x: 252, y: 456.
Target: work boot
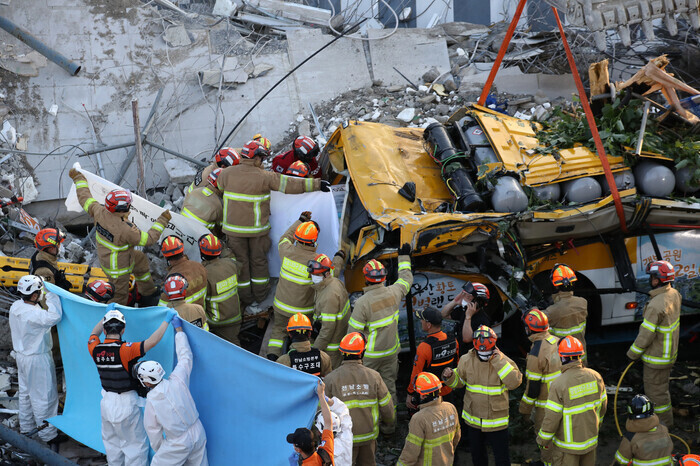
x: 150, y: 300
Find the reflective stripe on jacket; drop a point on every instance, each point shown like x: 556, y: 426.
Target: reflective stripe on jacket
x: 223, y: 306
x: 567, y: 316
x: 332, y: 307
x: 294, y: 292
x: 433, y: 435
x: 543, y: 365
x: 205, y: 206
x: 646, y: 443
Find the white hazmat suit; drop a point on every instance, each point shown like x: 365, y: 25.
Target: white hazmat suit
x: 342, y: 435
x: 31, y: 326
x: 170, y: 410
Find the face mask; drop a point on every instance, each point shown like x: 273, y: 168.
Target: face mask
x: 484, y: 355
x: 316, y: 279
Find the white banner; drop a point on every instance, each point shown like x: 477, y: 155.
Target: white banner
x: 143, y: 213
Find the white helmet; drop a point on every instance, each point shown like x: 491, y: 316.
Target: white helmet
x: 149, y: 371
x: 114, y: 315
x: 30, y: 284
x: 334, y: 418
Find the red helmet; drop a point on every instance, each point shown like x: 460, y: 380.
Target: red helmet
x: 118, y: 200
x: 305, y: 149
x: 353, y: 343
x: 48, y: 237
x: 320, y: 265
x: 99, y: 291
x: 536, y: 320
x: 374, y: 271
x: 570, y: 347
x: 175, y: 286
x: 484, y: 338
x: 210, y: 245
x: 298, y: 169
x: 213, y: 177
x: 263, y: 141
x: 663, y: 270
x: 562, y: 274
x: 689, y: 460
x: 427, y: 382
x: 307, y: 232
x: 172, y: 246
x: 298, y: 322
x: 254, y: 149
x: 227, y: 157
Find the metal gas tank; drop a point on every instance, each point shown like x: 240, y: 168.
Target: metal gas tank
x: 508, y: 195
x: 548, y: 193
x: 683, y: 183
x: 654, y: 179
x: 581, y: 190
x: 623, y: 180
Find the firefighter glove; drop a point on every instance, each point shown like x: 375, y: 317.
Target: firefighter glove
x: 73, y: 173
x: 325, y: 186
x: 405, y: 249
x: 305, y: 216
x: 166, y: 215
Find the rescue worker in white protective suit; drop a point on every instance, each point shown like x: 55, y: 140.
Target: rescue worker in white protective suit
x: 342, y: 431
x: 170, y: 409
x: 31, y: 326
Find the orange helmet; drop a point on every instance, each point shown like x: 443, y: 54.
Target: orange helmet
x: 172, y: 246
x: 427, y: 382
x: 663, y: 270
x: 307, y: 232
x: 562, y: 274
x: 536, y: 320
x: 118, y: 200
x: 320, y: 265
x: 570, y: 347
x: 99, y: 291
x: 689, y: 460
x: 263, y: 141
x: 484, y: 338
x: 298, y: 169
x: 48, y: 237
x: 374, y: 271
x: 299, y: 323
x: 227, y: 157
x: 210, y: 245
x: 175, y: 286
x: 253, y: 149
x: 352, y: 343
x: 213, y: 177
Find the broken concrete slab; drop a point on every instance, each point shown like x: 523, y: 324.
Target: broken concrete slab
x: 343, y: 65
x: 177, y: 36
x: 28, y: 189
x: 24, y: 65
x: 233, y: 73
x: 406, y: 115
x: 179, y: 171
x: 411, y: 51
x: 293, y: 11
x: 225, y: 8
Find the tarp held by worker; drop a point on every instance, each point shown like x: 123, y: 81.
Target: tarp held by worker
x: 247, y: 404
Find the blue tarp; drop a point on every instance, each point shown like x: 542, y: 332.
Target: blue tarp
x: 246, y: 403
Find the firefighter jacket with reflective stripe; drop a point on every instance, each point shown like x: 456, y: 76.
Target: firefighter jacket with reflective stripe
x: 487, y: 384
x: 192, y: 313
x: 567, y: 316
x: 332, y: 309
x: 575, y: 408
x: 657, y: 341
x: 433, y: 355
x: 433, y: 435
x: 200, y: 179
x: 45, y: 265
x: 205, y: 206
x: 115, y: 235
x: 646, y: 443
x: 543, y: 365
x: 365, y: 394
x: 223, y: 307
x: 310, y: 360
x: 376, y: 313
x: 246, y: 188
x: 196, y: 276
x: 294, y: 292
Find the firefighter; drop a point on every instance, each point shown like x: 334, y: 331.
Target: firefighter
x: 44, y: 262
x: 433, y: 354
x: 363, y: 391
x: 302, y: 356
x: 657, y: 341
x: 310, y: 452
x: 223, y: 309
x: 30, y: 327
x: 575, y: 408
x: 123, y: 434
x: 204, y: 204
x: 116, y: 237
x: 542, y: 367
x: 170, y: 409
x: 433, y: 432
x: 298, y: 169
x: 100, y: 291
x: 376, y: 313
x: 646, y: 441
x: 246, y: 223
x: 488, y: 374
x: 226, y: 157
x: 303, y: 149
x: 173, y: 249
x: 175, y: 288
x: 297, y: 246
x: 331, y: 304
x: 567, y: 316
